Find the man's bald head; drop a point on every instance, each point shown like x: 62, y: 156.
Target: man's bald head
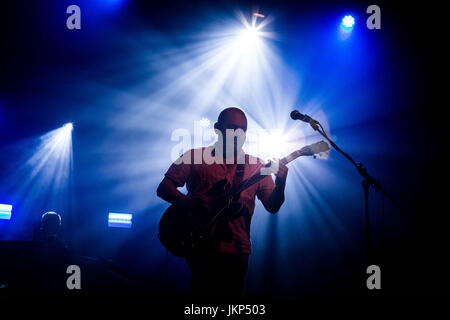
x: 231, y: 127
x: 231, y: 118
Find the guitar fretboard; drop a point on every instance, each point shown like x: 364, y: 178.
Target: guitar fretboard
x: 292, y: 156
x: 258, y: 176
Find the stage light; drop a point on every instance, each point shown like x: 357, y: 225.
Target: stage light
x: 268, y: 144
x: 68, y: 126
x: 275, y: 144
x: 39, y: 177
x: 348, y: 22
x: 250, y: 34
x: 61, y: 139
x: 120, y: 220
x: 5, y: 211
x: 248, y: 38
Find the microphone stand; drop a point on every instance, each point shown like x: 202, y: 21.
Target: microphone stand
x: 367, y: 182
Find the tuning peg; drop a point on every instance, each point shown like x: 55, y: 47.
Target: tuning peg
x: 327, y: 152
x: 320, y: 154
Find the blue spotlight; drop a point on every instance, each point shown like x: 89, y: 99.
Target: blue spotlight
x: 5, y: 211
x: 120, y: 220
x: 348, y: 22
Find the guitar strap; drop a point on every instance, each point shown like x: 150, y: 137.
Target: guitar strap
x: 237, y: 181
x: 224, y: 230
x: 239, y: 174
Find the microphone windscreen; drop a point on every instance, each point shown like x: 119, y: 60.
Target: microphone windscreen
x: 295, y: 115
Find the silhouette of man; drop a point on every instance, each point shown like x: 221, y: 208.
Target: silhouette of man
x: 219, y: 272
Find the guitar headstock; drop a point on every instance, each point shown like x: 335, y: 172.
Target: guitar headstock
x: 315, y: 148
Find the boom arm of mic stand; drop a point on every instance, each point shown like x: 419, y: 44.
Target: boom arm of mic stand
x: 368, y: 179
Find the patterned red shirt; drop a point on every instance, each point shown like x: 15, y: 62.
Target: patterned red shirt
x: 199, y: 178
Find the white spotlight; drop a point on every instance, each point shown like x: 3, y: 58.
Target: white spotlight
x: 250, y: 34
x: 68, y: 126
x: 247, y: 41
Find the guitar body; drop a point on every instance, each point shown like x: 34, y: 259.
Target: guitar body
x: 181, y: 235
x: 176, y: 231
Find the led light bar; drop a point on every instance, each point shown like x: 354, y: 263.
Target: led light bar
x: 120, y: 220
x: 5, y: 211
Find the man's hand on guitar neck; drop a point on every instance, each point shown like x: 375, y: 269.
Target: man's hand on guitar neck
x: 280, y: 170
x: 282, y: 173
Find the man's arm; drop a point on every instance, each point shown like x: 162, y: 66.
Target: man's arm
x: 274, y: 202
x: 176, y: 176
x: 167, y: 190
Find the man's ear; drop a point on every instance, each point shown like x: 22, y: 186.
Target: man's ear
x: 216, y: 127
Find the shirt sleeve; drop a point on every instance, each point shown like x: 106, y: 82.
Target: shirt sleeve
x: 180, y: 171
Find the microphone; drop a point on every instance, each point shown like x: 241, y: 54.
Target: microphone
x: 296, y: 115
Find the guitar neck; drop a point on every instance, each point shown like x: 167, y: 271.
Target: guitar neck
x: 291, y: 157
x: 258, y: 176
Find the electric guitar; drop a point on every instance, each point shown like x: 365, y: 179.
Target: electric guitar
x: 184, y: 230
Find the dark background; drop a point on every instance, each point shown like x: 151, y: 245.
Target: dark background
x: 37, y: 94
